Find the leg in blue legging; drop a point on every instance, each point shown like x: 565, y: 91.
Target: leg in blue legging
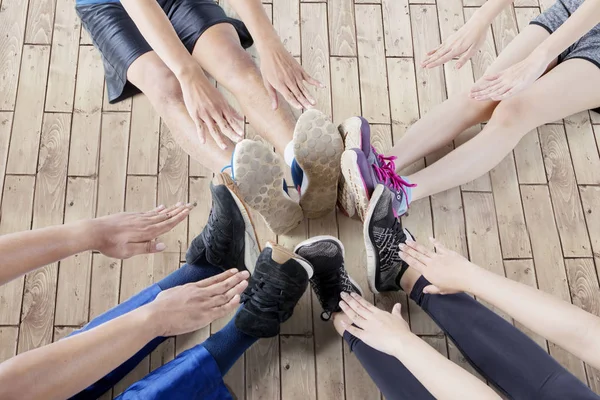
x: 186, y: 274
x: 196, y: 373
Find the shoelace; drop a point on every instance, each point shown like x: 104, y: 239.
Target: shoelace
x: 214, y: 245
x: 387, y: 173
x: 328, y: 287
x: 268, y: 297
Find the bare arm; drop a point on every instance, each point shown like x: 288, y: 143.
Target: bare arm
x: 62, y: 369
x: 560, y: 322
x: 120, y: 236
x: 389, y: 333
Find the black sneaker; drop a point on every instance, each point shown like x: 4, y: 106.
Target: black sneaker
x: 383, y: 234
x: 279, y: 280
x: 326, y: 254
x: 228, y: 240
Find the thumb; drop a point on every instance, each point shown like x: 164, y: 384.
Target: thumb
x: 432, y: 289
x: 397, y: 310
x: 272, y: 94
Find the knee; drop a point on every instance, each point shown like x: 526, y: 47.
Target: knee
x: 240, y: 72
x: 167, y: 85
x: 475, y: 110
x: 510, y: 112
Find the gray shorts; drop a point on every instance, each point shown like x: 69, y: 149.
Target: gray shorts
x: 586, y: 48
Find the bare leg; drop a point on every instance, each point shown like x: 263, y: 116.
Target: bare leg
x: 569, y: 88
x: 446, y: 121
x: 219, y: 52
x: 157, y: 82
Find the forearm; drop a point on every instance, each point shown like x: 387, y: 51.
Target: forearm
x: 64, y: 368
x: 440, y: 376
x: 558, y: 321
x: 585, y: 18
x: 254, y: 16
x: 490, y: 10
x: 25, y: 251
x: 156, y: 28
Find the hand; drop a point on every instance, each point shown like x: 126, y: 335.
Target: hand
x: 193, y: 306
x: 462, y: 43
x: 511, y: 81
x: 125, y: 234
x: 448, y: 271
x: 209, y: 109
x: 377, y: 328
x: 282, y: 73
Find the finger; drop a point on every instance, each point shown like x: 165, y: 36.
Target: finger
x: 433, y: 54
x: 306, y: 94
x: 168, y: 213
x: 368, y: 306
x: 354, y: 331
x: 298, y: 97
x: 350, y: 313
x: 496, y: 95
x: 236, y: 121
x: 149, y: 247
x: 482, y: 85
x: 272, y: 94
x: 226, y: 129
x: 430, y: 52
x: 156, y: 210
x: 397, y: 310
x: 462, y: 60
x: 200, y: 128
x: 311, y: 80
x: 356, y: 306
x: 216, y: 279
x: 225, y: 309
x: 215, y: 133
x: 442, y: 57
x: 217, y: 301
x: 225, y: 285
x: 168, y: 224
x: 432, y: 289
x: 413, y: 262
x: 422, y: 258
x: 509, y: 93
x: 439, y: 247
x: 485, y: 93
x: 421, y: 249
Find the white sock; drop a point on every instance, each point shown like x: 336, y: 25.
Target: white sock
x: 288, y: 153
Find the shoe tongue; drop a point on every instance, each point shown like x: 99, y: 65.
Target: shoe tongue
x: 297, y: 175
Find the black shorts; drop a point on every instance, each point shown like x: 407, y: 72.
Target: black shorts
x: 120, y: 42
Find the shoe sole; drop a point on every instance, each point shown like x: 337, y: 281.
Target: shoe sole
x: 259, y: 178
x: 354, y: 180
x: 315, y: 239
x: 350, y: 130
x: 251, y: 245
x: 318, y: 148
x: 296, y: 257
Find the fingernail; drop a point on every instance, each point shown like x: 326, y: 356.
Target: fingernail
x: 161, y: 206
x: 179, y: 204
x: 402, y: 245
x: 233, y: 271
x: 160, y: 246
x: 344, y: 295
x: 190, y: 205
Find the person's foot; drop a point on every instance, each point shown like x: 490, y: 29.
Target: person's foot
x: 228, y: 239
x: 258, y: 173
x: 383, y: 234
x: 326, y: 255
x: 316, y: 165
x: 363, y: 168
x: 279, y: 280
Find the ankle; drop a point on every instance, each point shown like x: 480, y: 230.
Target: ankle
x: 408, y: 280
x: 337, y: 318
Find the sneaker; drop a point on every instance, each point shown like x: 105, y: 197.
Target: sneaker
x: 326, y: 255
x: 258, y: 173
x: 363, y: 168
x: 279, y: 280
x: 228, y: 239
x: 383, y: 234
x: 316, y: 165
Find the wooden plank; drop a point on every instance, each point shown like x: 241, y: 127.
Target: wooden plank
x: 137, y: 272
x: 8, y: 342
x: 63, y: 60
x: 341, y: 25
x: 37, y: 315
x: 585, y: 293
x: 504, y: 28
x: 143, y: 144
x: 404, y: 108
x: 297, y: 368
x: 582, y: 147
x: 104, y: 291
x: 29, y: 111
x: 371, y: 61
x: 528, y: 158
x: 525, y: 3
x: 164, y: 353
x: 525, y: 15
x: 590, y: 198
x: 547, y: 255
x: 6, y: 119
x: 438, y: 343
x: 315, y: 51
x: 396, y: 28
x: 595, y: 117
x: 85, y: 38
x: 564, y: 193
x: 286, y: 21
x: 73, y: 290
x: 172, y: 187
x: 18, y: 198
x: 523, y: 271
x: 136, y: 374
x: 12, y: 30
x: 263, y: 372
x: 449, y: 220
x: 87, y: 114
x: 61, y: 332
x: 124, y: 105
x: 345, y: 88
x: 40, y: 20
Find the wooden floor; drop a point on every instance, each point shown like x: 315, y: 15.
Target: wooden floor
x: 66, y: 154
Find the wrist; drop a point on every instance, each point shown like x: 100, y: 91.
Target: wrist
x: 267, y: 41
x: 404, y: 341
x: 472, y: 277
x: 83, y: 235
x: 187, y: 69
x: 151, y: 319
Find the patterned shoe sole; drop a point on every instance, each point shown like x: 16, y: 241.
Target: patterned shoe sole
x: 353, y: 180
x: 251, y: 245
x: 318, y: 148
x: 259, y: 178
x: 350, y: 132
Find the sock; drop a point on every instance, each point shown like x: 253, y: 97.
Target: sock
x: 189, y: 273
x: 228, y: 345
x: 288, y: 153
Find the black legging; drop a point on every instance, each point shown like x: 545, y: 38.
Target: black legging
x: 502, y: 354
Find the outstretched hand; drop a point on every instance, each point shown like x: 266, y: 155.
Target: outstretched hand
x: 446, y: 270
x: 377, y: 328
x: 128, y: 234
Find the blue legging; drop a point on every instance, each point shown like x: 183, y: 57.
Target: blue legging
x: 501, y: 353
x: 225, y: 347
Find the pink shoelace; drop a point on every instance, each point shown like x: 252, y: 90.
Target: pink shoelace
x: 387, y: 173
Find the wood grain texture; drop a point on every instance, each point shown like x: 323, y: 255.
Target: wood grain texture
x: 8, y: 342
x: 12, y: 31
x: 40, y: 21
x: 6, y: 119
x: 582, y: 146
x: 341, y: 25
x: 345, y: 88
x: 297, y: 368
x: 528, y: 159
x: 263, y: 371
x: 396, y: 28
x: 286, y: 21
x: 403, y: 91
